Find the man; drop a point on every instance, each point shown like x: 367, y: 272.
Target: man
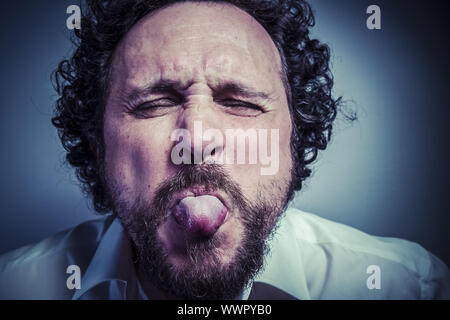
x: 193, y: 123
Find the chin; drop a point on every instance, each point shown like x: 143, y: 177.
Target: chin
x: 185, y: 252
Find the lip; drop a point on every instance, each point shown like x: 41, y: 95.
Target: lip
x: 198, y: 191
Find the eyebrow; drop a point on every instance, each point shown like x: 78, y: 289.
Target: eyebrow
x: 165, y: 85
x: 242, y: 90
x: 159, y: 86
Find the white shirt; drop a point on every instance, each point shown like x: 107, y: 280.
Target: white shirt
x: 310, y: 258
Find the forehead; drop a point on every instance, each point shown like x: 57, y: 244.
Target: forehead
x: 216, y: 42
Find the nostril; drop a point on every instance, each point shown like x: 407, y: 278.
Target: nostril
x: 214, y: 155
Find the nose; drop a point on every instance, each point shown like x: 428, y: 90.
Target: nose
x: 202, y: 140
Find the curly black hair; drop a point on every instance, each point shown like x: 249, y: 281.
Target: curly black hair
x: 82, y: 81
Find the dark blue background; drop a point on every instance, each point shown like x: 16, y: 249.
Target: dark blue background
x: 386, y: 174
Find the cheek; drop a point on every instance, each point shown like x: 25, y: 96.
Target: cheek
x: 136, y: 156
x: 285, y: 146
x: 274, y: 163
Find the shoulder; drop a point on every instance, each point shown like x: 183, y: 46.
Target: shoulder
x: 342, y: 262
x: 39, y: 270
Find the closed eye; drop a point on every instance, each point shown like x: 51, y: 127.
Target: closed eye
x: 240, y: 108
x: 154, y: 108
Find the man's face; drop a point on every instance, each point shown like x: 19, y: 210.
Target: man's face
x: 186, y: 66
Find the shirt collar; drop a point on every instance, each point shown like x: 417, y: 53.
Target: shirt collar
x: 111, y: 273
x: 283, y: 265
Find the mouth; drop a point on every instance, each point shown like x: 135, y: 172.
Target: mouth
x: 196, y: 192
x: 198, y: 211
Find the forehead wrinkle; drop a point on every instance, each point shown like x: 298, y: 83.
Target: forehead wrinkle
x: 214, y: 70
x: 155, y: 26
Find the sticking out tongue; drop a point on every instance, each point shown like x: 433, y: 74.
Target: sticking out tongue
x: 200, y: 216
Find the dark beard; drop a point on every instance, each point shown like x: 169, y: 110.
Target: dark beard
x: 204, y: 276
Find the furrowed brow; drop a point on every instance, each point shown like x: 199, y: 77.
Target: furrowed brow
x: 163, y: 86
x: 242, y: 90
x: 160, y: 86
